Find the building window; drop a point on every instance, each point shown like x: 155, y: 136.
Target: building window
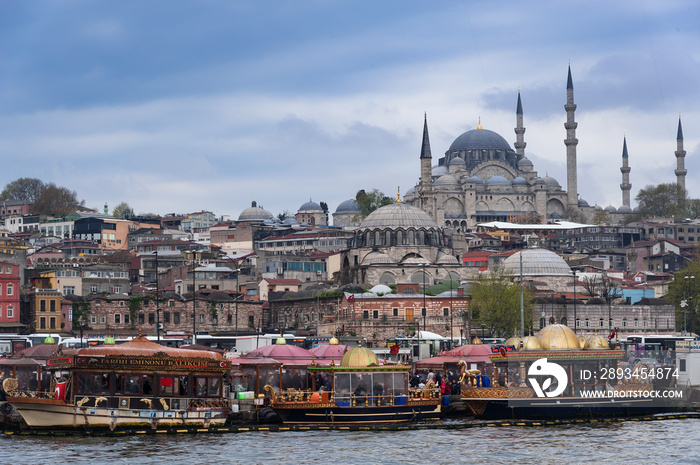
x: 42, y: 305
x: 365, y: 314
x: 68, y: 290
x: 636, y: 323
x: 116, y: 289
x: 121, y: 303
x: 176, y: 318
x: 151, y: 318
x: 141, y: 319
x: 445, y: 311
x: 375, y: 314
x: 166, y: 317
x: 126, y: 318
x: 8, y: 270
x: 42, y: 323
x: 396, y: 311
x: 117, y: 319
x: 103, y: 319
x: 52, y: 305
x: 10, y: 289
x: 201, y: 317
x: 251, y: 321
x: 10, y: 311
x: 171, y: 303
x: 93, y: 288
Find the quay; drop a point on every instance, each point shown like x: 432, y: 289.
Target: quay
x: 274, y: 428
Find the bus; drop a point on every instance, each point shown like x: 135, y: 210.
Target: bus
x: 10, y: 344
x: 651, y: 346
x: 244, y: 344
x: 39, y: 338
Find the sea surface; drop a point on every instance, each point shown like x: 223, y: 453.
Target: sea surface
x: 657, y: 442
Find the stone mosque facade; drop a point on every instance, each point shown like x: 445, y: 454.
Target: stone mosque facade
x: 482, y: 179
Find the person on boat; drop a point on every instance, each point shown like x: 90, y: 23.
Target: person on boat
x: 415, y: 380
x: 431, y: 377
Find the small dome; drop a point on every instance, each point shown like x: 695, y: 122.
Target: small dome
x: 497, y: 181
x: 381, y: 289
x: 310, y: 206
x: 598, y: 208
x: 536, y: 262
x: 447, y: 259
x: 290, y: 220
x: 610, y: 209
x: 538, y: 181
x: 597, y: 342
x: 377, y: 258
x: 457, y: 161
x: 475, y: 180
x: 476, y: 340
x: 520, y: 181
x: 334, y: 341
x: 550, y: 181
x: 524, y: 162
x: 109, y: 340
x: 624, y: 209
x: 582, y: 341
x: 446, y: 179
x: 49, y: 340
x: 513, y: 341
x: 254, y: 213
x: 582, y: 203
x: 398, y: 215
x: 359, y: 357
x: 531, y: 343
x: 558, y: 336
x: 349, y: 206
x: 439, y: 170
x: 411, y: 191
x: 281, y: 341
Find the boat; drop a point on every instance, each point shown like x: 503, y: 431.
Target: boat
x: 558, y: 375
x: 131, y: 385
x: 357, y: 391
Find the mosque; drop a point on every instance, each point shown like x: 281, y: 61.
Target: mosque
x: 482, y: 179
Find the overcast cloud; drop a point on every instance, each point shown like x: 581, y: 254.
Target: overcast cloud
x: 186, y: 106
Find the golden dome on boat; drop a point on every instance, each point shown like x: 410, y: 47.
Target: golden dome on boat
x: 514, y: 341
x: 359, y: 357
x: 582, y: 341
x: 558, y: 336
x: 334, y: 341
x: 597, y: 342
x: 476, y: 340
x: 531, y: 343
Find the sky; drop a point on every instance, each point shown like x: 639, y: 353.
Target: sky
x: 177, y: 107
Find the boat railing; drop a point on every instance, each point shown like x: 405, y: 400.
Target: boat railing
x: 12, y: 388
x: 348, y: 399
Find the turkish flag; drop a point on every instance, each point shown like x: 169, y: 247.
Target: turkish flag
x: 351, y: 297
x: 60, y: 392
x: 394, y: 349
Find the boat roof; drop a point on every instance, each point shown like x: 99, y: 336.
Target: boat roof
x: 142, y: 346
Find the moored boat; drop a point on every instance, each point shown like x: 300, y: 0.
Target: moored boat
x: 358, y: 391
x: 135, y: 384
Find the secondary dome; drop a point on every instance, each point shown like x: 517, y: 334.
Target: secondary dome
x: 558, y: 336
x: 377, y: 258
x: 359, y: 357
x: 439, y: 170
x: 255, y: 213
x: 537, y: 262
x: 398, y: 215
x: 596, y: 342
x: 497, y: 181
x: 446, y: 179
x: 480, y: 139
x: 349, y: 206
x: 310, y: 206
x: 531, y: 343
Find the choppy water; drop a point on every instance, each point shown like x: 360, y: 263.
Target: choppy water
x: 658, y: 442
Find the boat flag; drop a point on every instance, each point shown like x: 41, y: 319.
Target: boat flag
x: 60, y: 392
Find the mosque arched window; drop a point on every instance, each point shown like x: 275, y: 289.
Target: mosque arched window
x: 411, y: 237
x: 370, y: 239
x: 378, y: 238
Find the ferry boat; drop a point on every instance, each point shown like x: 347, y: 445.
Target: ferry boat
x: 358, y: 391
x: 135, y: 384
x: 557, y: 374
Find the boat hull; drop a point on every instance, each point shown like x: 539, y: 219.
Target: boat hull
x: 331, y: 413
x: 53, y: 414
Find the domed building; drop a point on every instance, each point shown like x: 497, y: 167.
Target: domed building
x: 311, y: 214
x: 399, y: 243
x: 347, y: 214
x: 254, y: 214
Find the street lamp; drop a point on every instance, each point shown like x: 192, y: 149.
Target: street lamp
x: 194, y: 296
x: 157, y: 299
x: 575, y: 320
x: 684, y: 303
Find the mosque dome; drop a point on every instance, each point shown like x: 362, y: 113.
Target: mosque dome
x: 290, y: 220
x: 254, y: 213
x: 381, y: 289
x: 582, y: 203
x: 624, y: 209
x: 411, y: 191
x: 610, y: 209
x: 598, y: 208
x: 446, y: 259
x: 558, y: 336
x: 539, y: 180
x: 310, y: 206
x: 475, y: 179
x: 479, y: 139
x: 359, y: 357
x: 537, y: 262
x: 550, y: 181
x: 446, y: 180
x: 377, y: 258
x: 439, y: 170
x: 457, y: 161
x: 519, y: 181
x: 497, y: 181
x: 524, y: 162
x: 398, y: 215
x: 348, y: 206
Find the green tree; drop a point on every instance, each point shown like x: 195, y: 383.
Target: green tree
x: 324, y: 207
x: 81, y: 311
x: 664, y: 201
x: 283, y: 216
x: 495, y: 302
x: 686, y: 287
x: 123, y: 211
x: 134, y: 309
x: 601, y: 217
x: 24, y: 189
x: 367, y: 202
x: 57, y: 201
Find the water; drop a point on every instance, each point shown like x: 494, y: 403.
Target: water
x: 658, y: 442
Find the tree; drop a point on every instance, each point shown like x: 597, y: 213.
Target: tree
x: 495, y: 302
x: 685, y: 287
x: 664, y: 201
x: 324, y: 207
x: 56, y: 201
x: 601, y: 217
x: 123, y: 211
x: 368, y: 202
x: 283, y: 216
x: 81, y: 311
x: 24, y: 189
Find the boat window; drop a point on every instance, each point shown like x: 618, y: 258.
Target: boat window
x: 200, y: 386
x: 342, y: 389
x: 132, y: 384
x: 147, y: 384
x: 169, y: 386
x: 214, y: 387
x: 184, y: 386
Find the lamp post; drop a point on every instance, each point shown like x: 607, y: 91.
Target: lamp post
x: 424, y: 310
x: 575, y: 320
x: 157, y: 299
x: 194, y: 299
x: 684, y: 303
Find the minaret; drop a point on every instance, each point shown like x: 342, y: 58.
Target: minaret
x: 680, y: 157
x: 571, y: 142
x: 519, y: 129
x: 425, y: 187
x: 625, y: 186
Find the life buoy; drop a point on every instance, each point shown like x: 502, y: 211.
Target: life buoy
x: 503, y: 352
